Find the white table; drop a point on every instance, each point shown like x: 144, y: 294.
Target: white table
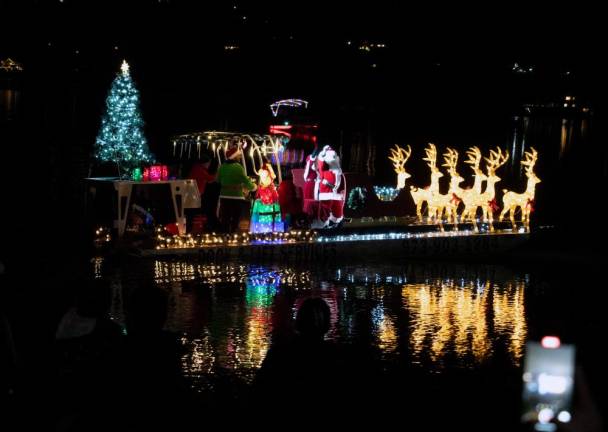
x: 184, y: 194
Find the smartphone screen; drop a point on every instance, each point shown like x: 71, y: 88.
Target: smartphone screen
x: 548, y: 382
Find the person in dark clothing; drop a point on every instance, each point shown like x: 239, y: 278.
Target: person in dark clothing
x: 209, y: 207
x: 87, y: 343
x: 291, y: 204
x: 309, y: 376
x: 306, y: 371
x: 152, y: 387
x: 201, y: 172
x: 204, y: 172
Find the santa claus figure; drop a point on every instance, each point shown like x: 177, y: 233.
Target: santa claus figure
x: 311, y: 176
x: 330, y: 177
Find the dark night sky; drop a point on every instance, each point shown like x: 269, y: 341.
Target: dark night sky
x: 444, y: 29
x: 291, y: 49
x: 175, y: 38
x: 445, y: 74
x: 440, y: 62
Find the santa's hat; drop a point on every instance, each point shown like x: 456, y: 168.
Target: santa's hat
x: 324, y: 151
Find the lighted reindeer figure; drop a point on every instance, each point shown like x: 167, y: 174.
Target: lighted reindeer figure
x: 421, y: 195
x: 472, y: 197
x: 449, y: 202
x: 399, y: 157
x: 524, y: 201
x: 496, y: 160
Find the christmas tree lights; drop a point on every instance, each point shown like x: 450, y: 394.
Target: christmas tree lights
x: 121, y: 139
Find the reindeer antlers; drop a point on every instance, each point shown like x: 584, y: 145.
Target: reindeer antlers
x: 474, y: 155
x: 530, y: 159
x: 431, y: 156
x: 399, y: 156
x: 451, y: 160
x: 496, y: 160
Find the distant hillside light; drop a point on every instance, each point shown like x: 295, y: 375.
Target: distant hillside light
x: 10, y: 65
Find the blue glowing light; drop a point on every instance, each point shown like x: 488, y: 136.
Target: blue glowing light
x: 385, y: 193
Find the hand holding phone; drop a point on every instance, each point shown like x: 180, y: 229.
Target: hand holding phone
x: 548, y: 383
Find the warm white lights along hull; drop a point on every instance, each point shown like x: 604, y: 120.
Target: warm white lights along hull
x: 311, y: 246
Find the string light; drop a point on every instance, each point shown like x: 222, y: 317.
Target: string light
x: 386, y: 193
x: 102, y: 235
x: 275, y: 106
x: 164, y: 240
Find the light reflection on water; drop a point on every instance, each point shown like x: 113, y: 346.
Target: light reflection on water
x: 465, y: 319
x: 435, y: 317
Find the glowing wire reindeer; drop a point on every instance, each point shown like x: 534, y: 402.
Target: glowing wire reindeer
x: 399, y: 157
x: 472, y: 197
x: 421, y: 195
x: 257, y: 154
x: 448, y: 202
x: 496, y: 160
x: 525, y: 200
x: 254, y: 151
x: 275, y: 147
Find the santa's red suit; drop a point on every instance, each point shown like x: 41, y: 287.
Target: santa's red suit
x: 310, y: 177
x: 330, y: 174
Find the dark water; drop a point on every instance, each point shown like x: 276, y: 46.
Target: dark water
x: 435, y: 318
x: 446, y: 336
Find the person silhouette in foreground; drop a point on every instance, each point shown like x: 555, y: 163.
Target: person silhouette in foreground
x: 89, y: 318
x: 87, y: 343
x: 308, y: 371
x: 151, y: 380
x: 144, y: 387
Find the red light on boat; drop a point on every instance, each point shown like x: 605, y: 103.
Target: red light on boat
x: 550, y: 342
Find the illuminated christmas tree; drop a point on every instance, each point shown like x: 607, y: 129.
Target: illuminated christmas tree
x: 121, y: 139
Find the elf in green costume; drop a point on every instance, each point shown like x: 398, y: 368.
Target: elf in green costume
x: 234, y: 188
